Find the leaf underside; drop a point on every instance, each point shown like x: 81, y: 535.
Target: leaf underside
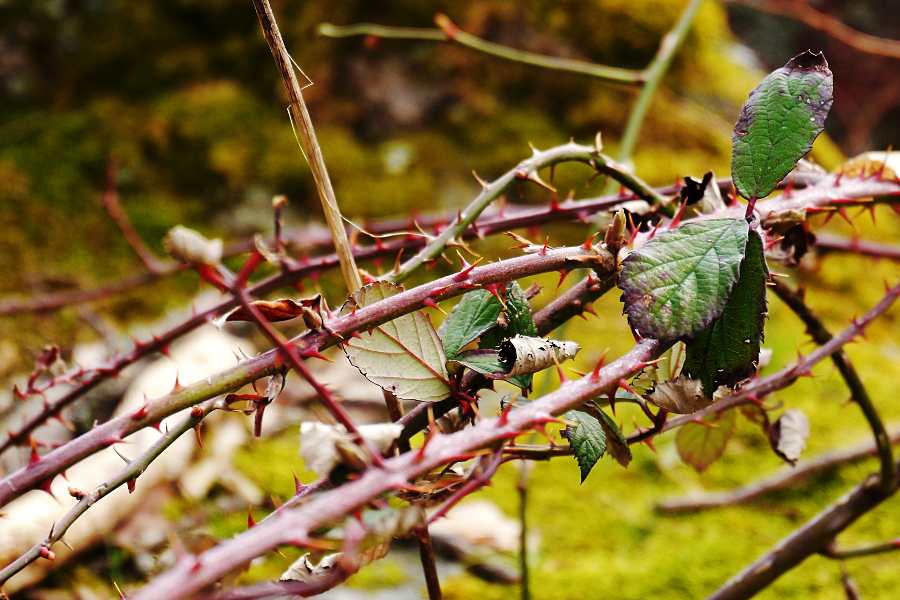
x: 681, y: 279
x: 486, y: 362
x: 727, y: 351
x: 779, y: 123
x: 616, y: 442
x: 700, y: 445
x: 403, y: 356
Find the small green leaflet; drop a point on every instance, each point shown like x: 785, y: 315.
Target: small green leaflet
x: 727, y: 351
x: 521, y: 321
x: 476, y: 313
x: 587, y: 439
x: 403, y: 356
x: 701, y: 445
x: 681, y: 279
x: 779, y: 123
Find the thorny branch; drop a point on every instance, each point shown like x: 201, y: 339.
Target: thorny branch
x: 815, y: 327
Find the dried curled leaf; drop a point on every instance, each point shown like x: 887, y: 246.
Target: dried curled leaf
x: 523, y: 355
x: 788, y: 435
x: 189, y: 246
x: 323, y: 447
x: 313, y: 311
x: 682, y: 395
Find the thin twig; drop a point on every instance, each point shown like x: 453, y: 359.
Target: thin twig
x: 449, y: 32
x: 654, y: 74
x: 429, y: 566
x: 783, y: 478
x: 811, y: 538
x: 115, y: 210
x: 815, y: 327
x: 832, y: 551
x: 131, y: 471
x: 801, y: 10
x: 527, y: 170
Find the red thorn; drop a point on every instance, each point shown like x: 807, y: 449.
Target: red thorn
x: 298, y: 487
x: 837, y: 180
x: 788, y: 189
x: 44, y: 486
x: 420, y: 453
x: 590, y: 243
x: 589, y: 308
x: 254, y: 260
x: 563, y: 273
x: 675, y: 221
x: 140, y: 413
x: 554, y: 203
x: 546, y: 247
x: 250, y: 521
x: 131, y: 484
x: 313, y: 352
x: 430, y: 303
x: 197, y: 431
x: 624, y: 385
x: 504, y: 415
x: 634, y: 231
x: 653, y: 233
x: 622, y: 190
x: 494, y: 289
x: 595, y: 376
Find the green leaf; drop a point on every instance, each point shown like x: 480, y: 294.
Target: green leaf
x: 486, y: 362
x: 403, y: 356
x: 476, y: 313
x: 727, y: 351
x: 702, y: 445
x: 779, y: 123
x: 681, y: 279
x: 587, y: 438
x: 518, y: 312
x: 616, y: 442
x: 521, y: 321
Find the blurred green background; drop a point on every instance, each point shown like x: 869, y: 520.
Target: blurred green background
x: 183, y: 94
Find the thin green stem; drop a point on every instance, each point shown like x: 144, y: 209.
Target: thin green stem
x: 525, y: 468
x: 815, y: 327
x: 449, y: 32
x: 833, y: 551
x: 527, y: 170
x: 653, y: 76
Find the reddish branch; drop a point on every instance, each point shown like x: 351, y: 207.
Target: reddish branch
x: 342, y: 327
x: 296, y: 526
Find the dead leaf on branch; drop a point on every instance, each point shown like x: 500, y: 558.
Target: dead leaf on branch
x: 682, y: 395
x: 284, y: 309
x: 404, y: 356
x: 788, y: 435
x: 323, y: 447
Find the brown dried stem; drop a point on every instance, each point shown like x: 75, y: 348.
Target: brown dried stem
x: 308, y: 143
x: 815, y: 327
x: 799, y: 9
